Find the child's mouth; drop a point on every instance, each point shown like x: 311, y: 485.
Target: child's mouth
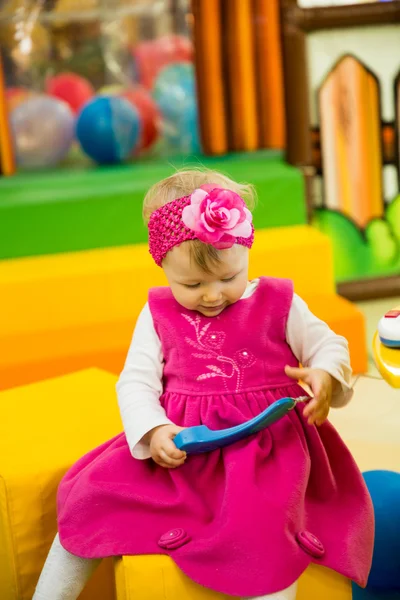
x: 213, y: 309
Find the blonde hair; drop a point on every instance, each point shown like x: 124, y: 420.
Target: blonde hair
x: 183, y: 183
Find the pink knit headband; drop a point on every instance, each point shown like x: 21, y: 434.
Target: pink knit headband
x: 210, y: 214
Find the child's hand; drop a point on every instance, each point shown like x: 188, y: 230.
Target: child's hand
x: 162, y: 448
x: 321, y: 384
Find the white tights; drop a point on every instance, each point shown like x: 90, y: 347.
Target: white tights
x: 64, y: 576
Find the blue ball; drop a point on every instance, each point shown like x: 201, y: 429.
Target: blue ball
x: 175, y: 94
x: 108, y: 129
x: 384, y: 487
x: 182, y: 134
x: 175, y: 89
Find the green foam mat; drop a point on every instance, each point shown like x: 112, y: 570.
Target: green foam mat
x: 69, y: 210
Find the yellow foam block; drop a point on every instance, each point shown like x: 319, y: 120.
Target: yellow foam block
x: 318, y: 583
x: 388, y: 361
x: 44, y: 429
x: 345, y: 319
x: 68, y: 290
x: 157, y: 577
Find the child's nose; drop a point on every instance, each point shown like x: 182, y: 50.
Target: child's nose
x: 212, y: 295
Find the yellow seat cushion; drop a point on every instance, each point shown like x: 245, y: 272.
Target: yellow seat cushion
x: 44, y: 428
x: 158, y: 578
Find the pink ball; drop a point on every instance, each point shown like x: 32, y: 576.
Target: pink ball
x: 73, y: 89
x: 148, y: 112
x: 152, y: 56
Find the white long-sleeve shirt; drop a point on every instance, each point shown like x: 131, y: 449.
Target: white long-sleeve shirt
x: 140, y: 385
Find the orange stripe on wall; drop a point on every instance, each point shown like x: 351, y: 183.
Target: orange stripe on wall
x: 240, y: 58
x: 210, y: 77
x: 7, y: 160
x: 269, y: 73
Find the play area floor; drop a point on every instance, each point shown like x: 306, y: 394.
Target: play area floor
x: 371, y: 423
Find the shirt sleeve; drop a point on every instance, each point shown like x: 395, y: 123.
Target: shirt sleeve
x: 316, y: 346
x: 140, y: 386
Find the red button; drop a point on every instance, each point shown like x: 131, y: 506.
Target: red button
x: 174, y: 539
x: 310, y: 544
x: 392, y: 314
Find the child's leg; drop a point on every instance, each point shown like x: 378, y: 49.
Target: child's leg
x: 288, y: 594
x: 64, y: 575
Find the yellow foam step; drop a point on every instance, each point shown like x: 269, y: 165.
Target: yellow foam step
x: 66, y: 290
x: 44, y: 429
x: 51, y: 352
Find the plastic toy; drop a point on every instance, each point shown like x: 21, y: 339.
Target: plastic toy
x: 201, y: 439
x: 43, y: 131
x: 389, y: 328
x: 73, y: 89
x: 108, y: 129
x: 386, y: 347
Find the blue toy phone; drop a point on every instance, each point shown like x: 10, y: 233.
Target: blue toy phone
x: 195, y: 440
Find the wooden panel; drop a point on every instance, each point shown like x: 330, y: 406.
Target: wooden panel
x: 298, y: 143
x: 389, y: 145
x: 351, y: 142
x: 269, y: 73
x: 357, y: 15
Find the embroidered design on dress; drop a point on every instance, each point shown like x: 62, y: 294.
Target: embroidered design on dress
x: 209, y: 345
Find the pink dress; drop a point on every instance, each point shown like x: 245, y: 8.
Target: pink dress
x: 246, y: 520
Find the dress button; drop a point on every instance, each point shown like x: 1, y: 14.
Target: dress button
x: 174, y: 539
x: 310, y: 544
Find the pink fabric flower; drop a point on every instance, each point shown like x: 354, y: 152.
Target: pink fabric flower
x: 218, y: 217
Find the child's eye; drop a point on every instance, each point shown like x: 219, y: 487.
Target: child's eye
x: 191, y: 286
x: 229, y: 279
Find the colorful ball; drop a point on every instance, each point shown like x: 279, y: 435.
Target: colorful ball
x: 182, y: 134
x: 73, y: 89
x: 175, y: 94
x: 152, y: 56
x: 108, y: 129
x: 43, y: 131
x: 175, y: 89
x: 148, y: 112
x: 384, y: 487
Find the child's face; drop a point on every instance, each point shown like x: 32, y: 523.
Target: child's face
x: 209, y: 294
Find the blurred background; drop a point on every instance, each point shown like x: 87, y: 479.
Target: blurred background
x: 99, y: 99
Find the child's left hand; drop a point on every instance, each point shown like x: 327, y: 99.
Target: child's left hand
x: 321, y: 384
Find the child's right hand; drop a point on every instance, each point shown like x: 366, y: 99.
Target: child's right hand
x: 162, y: 448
